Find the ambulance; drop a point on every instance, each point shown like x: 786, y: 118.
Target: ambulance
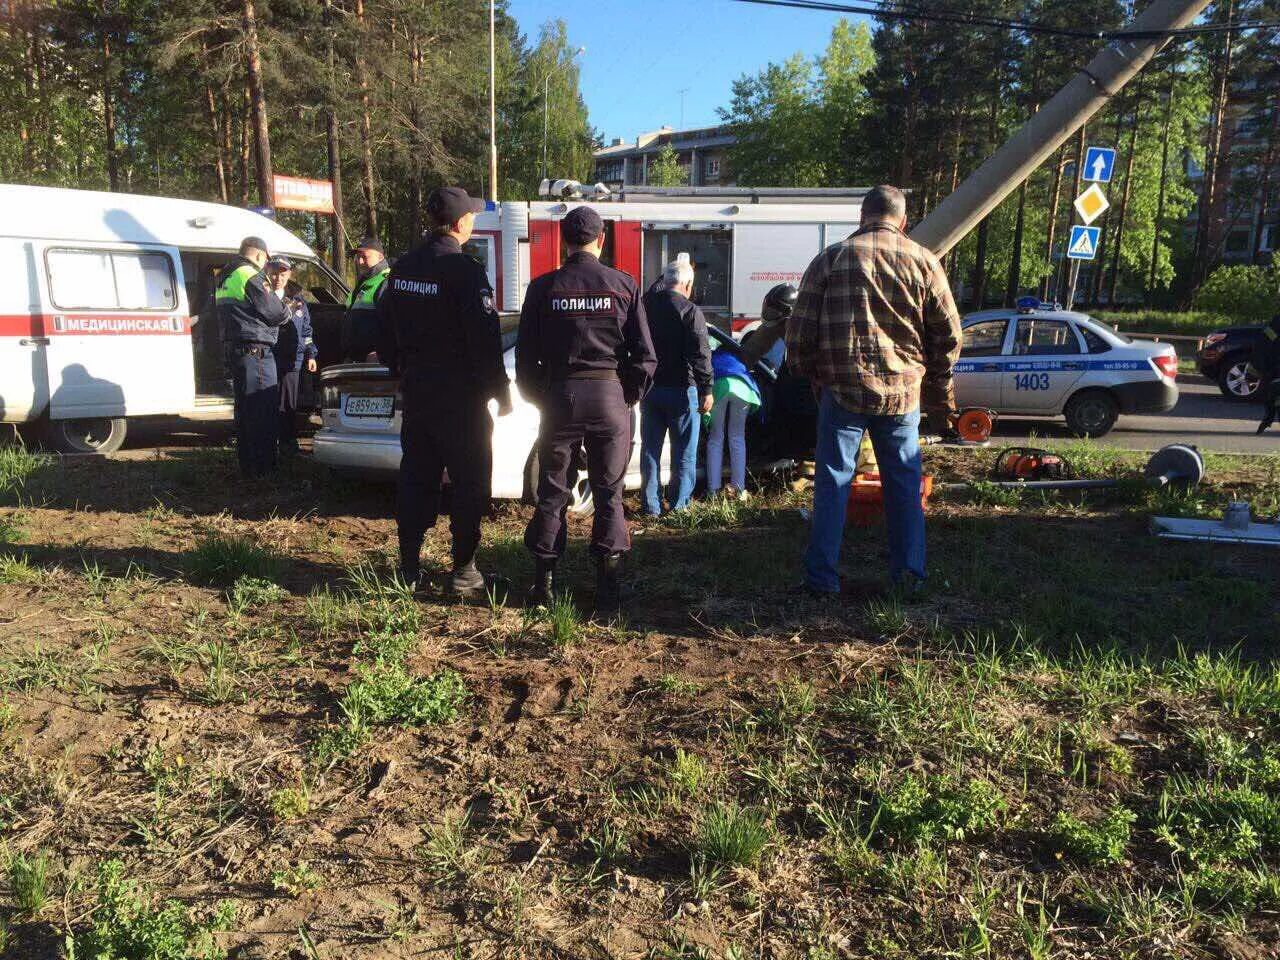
x: 105, y: 308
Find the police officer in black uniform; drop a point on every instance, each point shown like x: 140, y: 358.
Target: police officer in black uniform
x: 1266, y: 364
x: 584, y: 357
x: 251, y: 316
x: 439, y: 331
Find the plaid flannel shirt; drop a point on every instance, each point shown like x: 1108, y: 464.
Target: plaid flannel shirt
x: 875, y: 323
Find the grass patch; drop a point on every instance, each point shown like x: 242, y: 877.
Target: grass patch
x: 929, y: 808
x: 17, y: 466
x: 19, y: 571
x: 731, y: 836
x: 28, y: 880
x: 248, y: 592
x: 221, y: 560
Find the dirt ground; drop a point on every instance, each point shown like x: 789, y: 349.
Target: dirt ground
x: 163, y: 711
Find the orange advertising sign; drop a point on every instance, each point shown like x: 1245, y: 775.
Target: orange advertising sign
x: 299, y: 193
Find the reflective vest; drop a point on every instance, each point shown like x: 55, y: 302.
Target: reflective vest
x: 365, y: 296
x: 232, y: 286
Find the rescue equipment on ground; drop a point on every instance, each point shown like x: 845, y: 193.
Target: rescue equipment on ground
x: 1030, y: 463
x: 974, y: 424
x: 866, y: 498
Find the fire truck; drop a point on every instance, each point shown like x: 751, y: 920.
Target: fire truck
x: 741, y: 241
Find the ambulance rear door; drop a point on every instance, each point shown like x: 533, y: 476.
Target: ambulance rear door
x: 119, y: 331
x: 24, y: 379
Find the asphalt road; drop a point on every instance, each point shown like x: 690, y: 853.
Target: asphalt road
x: 1203, y: 417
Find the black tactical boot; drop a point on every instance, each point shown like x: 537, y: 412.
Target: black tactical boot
x: 544, y: 584
x: 466, y: 580
x: 608, y: 586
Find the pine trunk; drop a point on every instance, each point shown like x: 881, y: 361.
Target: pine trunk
x: 244, y: 147
x: 1055, y: 198
x: 258, y: 105
x: 1212, y: 157
x: 1160, y: 193
x: 366, y: 130
x: 108, y: 104
x: 1123, y: 213
x: 337, y: 248
x: 1014, y: 281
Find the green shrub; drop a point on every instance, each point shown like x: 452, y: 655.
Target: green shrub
x: 221, y: 559
x: 1236, y: 887
x: 249, y: 592
x: 1248, y: 294
x: 1098, y: 843
x: 131, y: 923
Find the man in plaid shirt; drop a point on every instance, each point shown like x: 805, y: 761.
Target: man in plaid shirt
x: 876, y: 332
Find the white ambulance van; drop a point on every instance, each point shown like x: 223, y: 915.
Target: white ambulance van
x: 106, y: 308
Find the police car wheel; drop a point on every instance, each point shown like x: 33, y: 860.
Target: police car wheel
x: 87, y: 435
x: 1235, y: 382
x: 1091, y: 413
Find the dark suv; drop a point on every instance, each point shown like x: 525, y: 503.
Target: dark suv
x: 1224, y: 358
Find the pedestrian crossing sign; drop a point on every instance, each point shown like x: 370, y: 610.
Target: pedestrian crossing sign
x: 1084, y: 242
x: 1092, y: 204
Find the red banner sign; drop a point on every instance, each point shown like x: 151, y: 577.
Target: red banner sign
x: 299, y: 193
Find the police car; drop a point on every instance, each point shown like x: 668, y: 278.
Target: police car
x: 1039, y: 361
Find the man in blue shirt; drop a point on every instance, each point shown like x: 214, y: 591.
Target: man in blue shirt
x: 294, y: 350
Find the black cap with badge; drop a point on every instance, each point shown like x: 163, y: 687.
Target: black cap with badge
x: 367, y: 243
x: 581, y: 226
x: 448, y: 205
x: 279, y: 263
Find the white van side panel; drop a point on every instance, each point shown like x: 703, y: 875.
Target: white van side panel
x: 119, y: 330
x: 24, y: 380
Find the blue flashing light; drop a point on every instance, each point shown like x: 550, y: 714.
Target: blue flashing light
x: 1028, y: 304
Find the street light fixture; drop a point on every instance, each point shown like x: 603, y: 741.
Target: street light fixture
x: 546, y: 90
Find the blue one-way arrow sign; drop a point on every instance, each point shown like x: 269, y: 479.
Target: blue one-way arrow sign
x: 1083, y: 244
x: 1098, y: 162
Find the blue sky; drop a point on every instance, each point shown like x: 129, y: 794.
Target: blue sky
x: 641, y: 53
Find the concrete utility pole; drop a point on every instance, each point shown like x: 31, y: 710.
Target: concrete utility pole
x: 493, y: 112
x: 1113, y: 67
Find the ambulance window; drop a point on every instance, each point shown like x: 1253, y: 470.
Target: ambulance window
x: 81, y: 279
x: 1036, y: 337
x: 144, y: 281
x: 316, y: 284
x: 985, y: 339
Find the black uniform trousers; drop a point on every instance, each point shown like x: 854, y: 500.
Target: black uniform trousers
x: 593, y: 414
x: 290, y: 380
x: 257, y: 407
x: 443, y: 428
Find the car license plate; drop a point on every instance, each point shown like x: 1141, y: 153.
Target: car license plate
x: 357, y: 406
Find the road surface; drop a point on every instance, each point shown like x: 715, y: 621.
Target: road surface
x: 1203, y: 417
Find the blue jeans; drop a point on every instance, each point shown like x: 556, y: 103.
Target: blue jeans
x: 668, y: 410
x: 896, y: 440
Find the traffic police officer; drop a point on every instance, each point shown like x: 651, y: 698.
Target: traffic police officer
x: 295, y: 350
x: 251, y: 316
x: 360, y: 323
x: 584, y: 357
x: 439, y: 331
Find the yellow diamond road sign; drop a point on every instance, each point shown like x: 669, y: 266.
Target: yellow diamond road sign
x: 1091, y: 204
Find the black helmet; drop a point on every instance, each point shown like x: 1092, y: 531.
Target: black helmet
x: 779, y: 302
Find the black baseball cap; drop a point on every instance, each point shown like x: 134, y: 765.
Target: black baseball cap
x: 581, y: 226
x: 367, y: 243
x: 448, y: 205
x: 279, y: 263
